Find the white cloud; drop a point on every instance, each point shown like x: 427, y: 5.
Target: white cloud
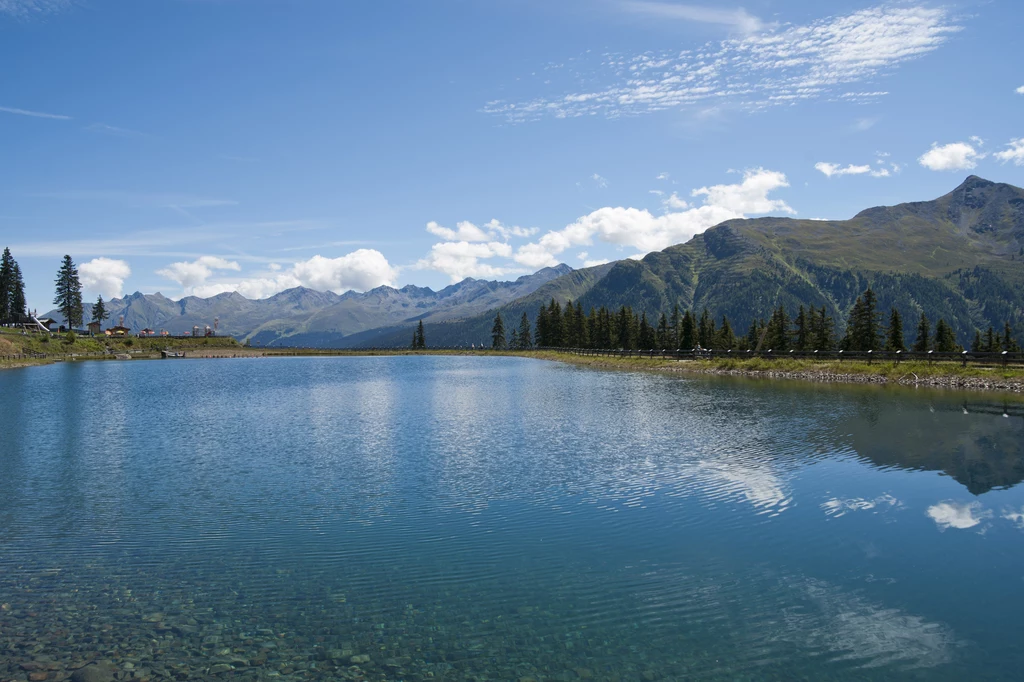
x: 738, y: 19
x: 1015, y: 517
x: 466, y: 232
x: 951, y: 157
x: 959, y: 516
x: 1014, y: 152
x: 1020, y: 90
x: 662, y: 176
x: 674, y: 203
x: 640, y: 229
x: 460, y: 260
x: 591, y: 262
x: 192, y: 274
x: 794, y: 63
x: 26, y: 112
x: 599, y: 181
x: 863, y: 124
x: 835, y: 169
x: 105, y: 276
x: 360, y: 270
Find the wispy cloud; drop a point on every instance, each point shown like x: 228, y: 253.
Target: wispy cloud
x: 28, y: 8
x: 738, y: 19
x: 105, y: 129
x: 139, y: 199
x: 825, y: 59
x: 835, y: 169
x: 34, y: 114
x: 1014, y: 152
x: 600, y: 181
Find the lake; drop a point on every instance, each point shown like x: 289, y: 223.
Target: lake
x: 473, y: 518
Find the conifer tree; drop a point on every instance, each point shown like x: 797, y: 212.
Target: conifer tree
x: 662, y: 335
x: 802, y: 331
x: 676, y: 321
x: 777, y: 338
x: 498, y: 333
x: 824, y: 331
x: 582, y: 327
x: 540, y: 327
x: 525, y: 336
x: 753, y: 334
x: 921, y: 344
x: 706, y: 330
x: 991, y: 343
x: 1009, y: 343
x: 99, y: 310
x: 976, y: 344
x: 945, y: 340
x: 6, y: 285
x: 726, y: 337
x: 68, y: 297
x: 894, y: 335
x: 19, y: 306
x: 556, y: 325
x: 513, y: 341
x: 420, y: 339
x: 645, y: 338
x: 687, y: 335
x: 863, y: 328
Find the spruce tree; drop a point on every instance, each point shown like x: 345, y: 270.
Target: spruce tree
x: 687, y: 336
x: 1009, y: 343
x: 99, y: 310
x: 675, y: 322
x: 556, y: 325
x: 540, y: 327
x: 726, y: 337
x: 824, y: 331
x: 582, y: 327
x: 945, y: 340
x: 68, y: 297
x: 662, y: 335
x: 419, y: 341
x: 923, y: 334
x: 706, y: 330
x: 646, y: 339
x: 513, y: 341
x: 6, y: 285
x: 802, y: 331
x: 894, y: 335
x: 990, y: 345
x: 498, y: 333
x: 19, y: 306
x: 977, y: 345
x: 777, y: 338
x: 525, y: 335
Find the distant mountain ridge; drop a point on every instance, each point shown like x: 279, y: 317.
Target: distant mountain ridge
x: 959, y: 257
x: 305, y: 317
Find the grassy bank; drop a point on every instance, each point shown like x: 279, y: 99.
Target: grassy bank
x: 47, y: 349
x: 946, y: 374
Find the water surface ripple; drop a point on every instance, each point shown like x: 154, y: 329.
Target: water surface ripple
x: 444, y: 518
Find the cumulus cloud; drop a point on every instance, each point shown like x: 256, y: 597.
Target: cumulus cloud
x: 835, y: 169
x: 1020, y: 90
x: 675, y: 203
x: 465, y: 231
x: 642, y: 230
x: 959, y: 516
x: 105, y: 276
x: 360, y: 270
x: 1014, y: 152
x: 191, y: 274
x: 951, y: 157
x: 824, y: 59
x: 460, y: 260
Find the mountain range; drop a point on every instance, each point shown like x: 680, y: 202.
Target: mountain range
x: 959, y: 257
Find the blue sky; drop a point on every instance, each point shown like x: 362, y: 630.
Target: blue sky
x: 200, y: 146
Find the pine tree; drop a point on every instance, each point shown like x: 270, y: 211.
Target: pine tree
x: 726, y: 337
x: 513, y: 341
x: 1009, y: 343
x: 540, y: 327
x: 68, y: 298
x: 662, y: 335
x: 19, y: 306
x: 777, y: 338
x: 802, y: 331
x: 753, y: 334
x: 623, y: 328
x: 945, y: 340
x: 556, y: 325
x: 525, y: 336
x: 706, y: 330
x: 6, y: 285
x: 923, y: 332
x: 582, y: 327
x: 863, y: 328
x: 977, y: 344
x: 991, y: 344
x: 498, y: 333
x: 419, y: 341
x: 687, y: 337
x: 676, y: 321
x: 824, y: 335
x: 99, y: 310
x: 646, y: 339
x: 894, y: 335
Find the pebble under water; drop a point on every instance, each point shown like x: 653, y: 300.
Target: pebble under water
x: 475, y: 518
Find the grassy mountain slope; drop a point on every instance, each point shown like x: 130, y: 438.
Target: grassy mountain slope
x: 960, y: 257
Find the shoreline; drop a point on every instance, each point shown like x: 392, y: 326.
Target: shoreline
x: 940, y: 375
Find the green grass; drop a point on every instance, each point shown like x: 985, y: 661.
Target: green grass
x: 57, y: 346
